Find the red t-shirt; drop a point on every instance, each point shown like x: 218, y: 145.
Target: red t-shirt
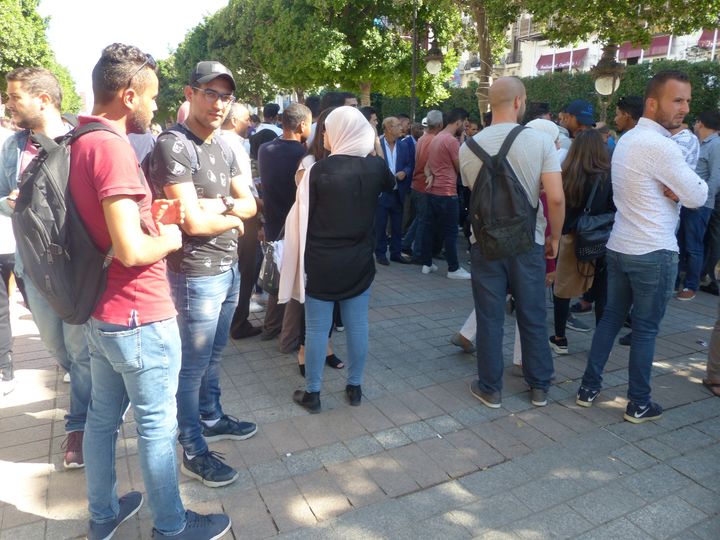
x: 421, y: 156
x: 443, y: 148
x: 103, y: 164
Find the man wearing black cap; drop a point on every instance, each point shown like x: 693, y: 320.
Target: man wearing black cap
x: 191, y: 162
x: 578, y: 117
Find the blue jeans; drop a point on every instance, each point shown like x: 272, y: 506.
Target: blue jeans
x: 691, y: 236
x: 442, y: 212
x: 318, y: 319
x: 413, y: 237
x: 524, y: 276
x: 138, y: 366
x: 644, y: 282
x: 205, y: 306
x: 69, y: 345
x: 388, y: 205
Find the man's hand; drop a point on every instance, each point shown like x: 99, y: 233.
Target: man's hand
x: 551, y: 247
x: 429, y: 181
x: 12, y: 197
x: 401, y: 175
x: 549, y: 278
x: 171, y: 233
x: 168, y: 211
x: 670, y: 195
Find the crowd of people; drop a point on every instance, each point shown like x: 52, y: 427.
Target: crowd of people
x: 188, y: 211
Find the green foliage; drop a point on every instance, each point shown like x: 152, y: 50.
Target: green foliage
x: 457, y: 97
x: 618, y: 21
x: 23, y: 43
x: 559, y: 89
x: 170, y: 95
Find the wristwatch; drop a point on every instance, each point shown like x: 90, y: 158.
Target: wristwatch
x: 229, y: 203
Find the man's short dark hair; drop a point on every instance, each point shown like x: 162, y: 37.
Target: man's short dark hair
x: 710, y: 119
x: 456, y: 114
x: 332, y: 99
x: 536, y: 109
x: 655, y: 85
x: 120, y: 66
x: 294, y: 114
x: 348, y: 95
x: 632, y: 105
x: 487, y: 118
x: 313, y: 103
x: 402, y: 116
x: 36, y: 81
x: 255, y: 118
x: 367, y: 111
x: 271, y: 111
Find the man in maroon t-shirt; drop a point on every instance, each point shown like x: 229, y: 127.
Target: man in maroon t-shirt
x: 442, y: 200
x: 133, y: 335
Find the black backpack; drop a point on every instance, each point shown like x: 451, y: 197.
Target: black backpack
x: 57, y: 252
x: 502, y: 218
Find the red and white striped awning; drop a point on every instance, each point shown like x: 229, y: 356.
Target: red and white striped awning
x: 562, y: 60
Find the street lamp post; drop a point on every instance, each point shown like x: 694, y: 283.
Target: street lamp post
x: 414, y: 62
x: 607, y: 74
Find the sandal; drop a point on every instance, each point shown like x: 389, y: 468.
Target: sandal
x: 713, y: 387
x: 334, y: 362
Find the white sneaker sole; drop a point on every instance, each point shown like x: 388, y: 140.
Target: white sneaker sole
x: 230, y: 437
x: 208, y: 483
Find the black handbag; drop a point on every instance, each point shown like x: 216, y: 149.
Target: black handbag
x: 592, y: 232
x: 269, y: 278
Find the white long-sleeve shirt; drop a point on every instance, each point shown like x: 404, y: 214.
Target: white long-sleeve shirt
x: 645, y: 160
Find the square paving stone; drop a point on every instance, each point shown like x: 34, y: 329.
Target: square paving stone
x: 606, y: 503
x: 620, y: 528
x: 548, y: 491
x: 444, y: 424
x: 708, y: 530
x: 634, y: 457
x: 558, y: 522
x: 418, y: 431
x: 392, y: 438
x: 365, y: 445
x: 655, y: 482
x: 667, y: 517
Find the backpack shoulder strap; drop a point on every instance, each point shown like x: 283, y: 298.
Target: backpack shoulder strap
x: 88, y: 128
x: 509, y: 140
x: 189, y: 146
x: 476, y: 149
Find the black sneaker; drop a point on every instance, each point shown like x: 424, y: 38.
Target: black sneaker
x: 490, y: 399
x: 577, y: 326
x: 229, y: 427
x: 308, y: 400
x: 626, y: 340
x: 637, y: 414
x: 209, y: 469
x: 354, y: 394
x: 200, y: 527
x: 129, y: 504
x: 585, y: 396
x: 579, y: 309
x: 7, y: 380
x: 538, y: 397
x: 559, y: 344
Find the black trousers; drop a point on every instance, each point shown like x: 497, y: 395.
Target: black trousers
x: 7, y: 263
x: 249, y: 268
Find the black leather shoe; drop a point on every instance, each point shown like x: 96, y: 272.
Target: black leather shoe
x: 308, y: 400
x: 354, y: 394
x: 626, y: 340
x: 400, y: 260
x: 383, y: 261
x: 245, y: 330
x: 711, y: 289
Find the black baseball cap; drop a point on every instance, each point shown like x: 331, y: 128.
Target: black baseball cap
x: 209, y: 70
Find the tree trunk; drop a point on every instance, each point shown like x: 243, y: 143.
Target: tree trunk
x: 365, y: 93
x: 300, y: 93
x: 479, y: 14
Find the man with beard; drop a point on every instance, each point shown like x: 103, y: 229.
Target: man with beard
x: 534, y: 160
x: 649, y: 176
x: 442, y: 169
x: 193, y: 164
x: 34, y: 102
x: 133, y: 334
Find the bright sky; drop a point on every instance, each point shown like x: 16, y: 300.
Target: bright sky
x: 80, y: 29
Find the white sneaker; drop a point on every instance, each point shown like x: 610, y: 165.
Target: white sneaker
x: 66, y: 378
x: 428, y: 269
x: 255, y: 307
x: 460, y: 273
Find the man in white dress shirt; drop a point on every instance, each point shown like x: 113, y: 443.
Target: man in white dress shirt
x: 649, y: 177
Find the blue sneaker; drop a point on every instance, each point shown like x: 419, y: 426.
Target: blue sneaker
x: 200, y: 527
x: 637, y: 414
x: 585, y: 396
x: 229, y: 427
x: 130, y: 503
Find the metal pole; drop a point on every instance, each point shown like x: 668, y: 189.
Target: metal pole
x: 414, y: 62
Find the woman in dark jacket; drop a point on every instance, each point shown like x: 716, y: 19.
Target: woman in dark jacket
x: 341, y: 194
x: 587, y: 163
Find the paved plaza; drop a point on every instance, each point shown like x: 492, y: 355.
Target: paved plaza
x: 420, y: 458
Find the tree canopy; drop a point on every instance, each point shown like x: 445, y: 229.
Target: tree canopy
x: 23, y: 43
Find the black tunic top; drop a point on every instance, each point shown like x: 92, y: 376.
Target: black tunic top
x: 340, y: 242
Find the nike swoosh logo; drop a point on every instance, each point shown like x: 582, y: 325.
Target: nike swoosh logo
x: 638, y: 414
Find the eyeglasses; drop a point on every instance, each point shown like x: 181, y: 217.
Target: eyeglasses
x: 149, y: 61
x: 211, y: 96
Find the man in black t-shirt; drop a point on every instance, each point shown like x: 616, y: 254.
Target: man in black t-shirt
x: 278, y: 161
x: 191, y: 163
